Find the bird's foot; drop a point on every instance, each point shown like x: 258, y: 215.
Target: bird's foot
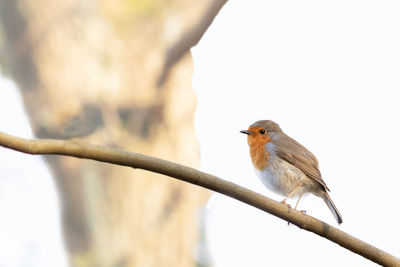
x: 284, y: 202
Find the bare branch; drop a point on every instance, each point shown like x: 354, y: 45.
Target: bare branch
x: 189, y: 39
x: 193, y: 176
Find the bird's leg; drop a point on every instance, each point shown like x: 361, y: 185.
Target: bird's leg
x: 284, y: 202
x: 303, y: 211
x: 297, y: 203
x: 291, y: 194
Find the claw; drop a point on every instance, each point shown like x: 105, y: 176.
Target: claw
x: 284, y: 202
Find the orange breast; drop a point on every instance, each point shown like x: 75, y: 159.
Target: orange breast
x: 259, y: 155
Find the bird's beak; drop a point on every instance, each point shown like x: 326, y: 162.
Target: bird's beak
x: 246, y: 132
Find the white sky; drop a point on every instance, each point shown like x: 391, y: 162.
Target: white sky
x: 329, y: 73
x: 30, y: 232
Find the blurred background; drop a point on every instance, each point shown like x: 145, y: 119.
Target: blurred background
x: 115, y: 73
x: 122, y: 74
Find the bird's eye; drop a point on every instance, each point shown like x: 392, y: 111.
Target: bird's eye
x: 262, y: 131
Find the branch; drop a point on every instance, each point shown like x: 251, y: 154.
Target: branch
x: 189, y: 39
x: 193, y: 176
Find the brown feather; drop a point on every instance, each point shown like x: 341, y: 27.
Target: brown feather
x: 296, y: 154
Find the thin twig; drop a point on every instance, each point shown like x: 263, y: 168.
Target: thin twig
x: 193, y: 176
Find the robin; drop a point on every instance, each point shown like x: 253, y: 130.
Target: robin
x: 284, y: 166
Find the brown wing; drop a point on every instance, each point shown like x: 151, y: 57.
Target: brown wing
x: 296, y: 154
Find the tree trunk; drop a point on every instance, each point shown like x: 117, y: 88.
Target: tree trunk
x: 101, y: 72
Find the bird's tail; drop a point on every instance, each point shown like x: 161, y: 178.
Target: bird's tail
x: 332, y: 207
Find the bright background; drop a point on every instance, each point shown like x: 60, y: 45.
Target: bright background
x: 30, y: 230
x: 329, y: 73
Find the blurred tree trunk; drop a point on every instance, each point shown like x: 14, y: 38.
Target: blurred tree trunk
x: 116, y: 73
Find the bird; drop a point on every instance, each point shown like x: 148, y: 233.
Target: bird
x: 284, y: 166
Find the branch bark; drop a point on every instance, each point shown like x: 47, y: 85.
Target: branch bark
x: 193, y: 176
